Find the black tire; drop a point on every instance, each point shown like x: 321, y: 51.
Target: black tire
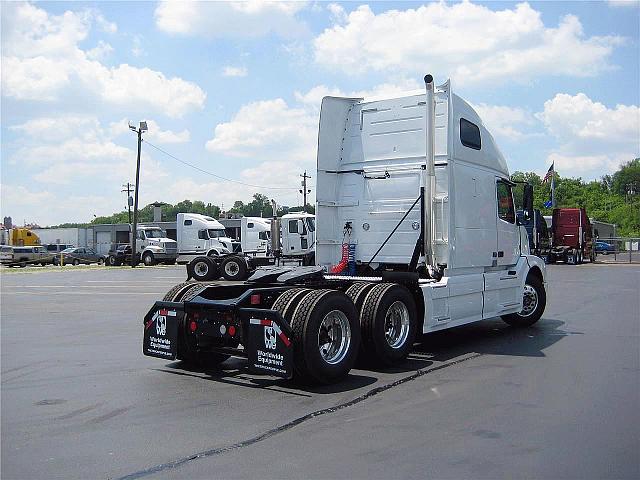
x: 526, y: 320
x: 234, y: 268
x: 111, y: 261
x: 358, y: 292
x: 148, y: 259
x: 55, y: 261
x: 378, y: 347
x: 574, y: 258
x: 306, y: 322
x: 176, y: 293
x: 287, y: 302
x: 75, y: 262
x: 203, y: 269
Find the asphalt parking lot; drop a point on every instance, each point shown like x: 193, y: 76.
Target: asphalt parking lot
x: 79, y: 400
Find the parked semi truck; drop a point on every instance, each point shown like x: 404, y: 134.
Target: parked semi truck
x: 572, y: 236
x: 416, y: 233
x: 538, y: 233
x: 152, y: 246
x: 263, y: 242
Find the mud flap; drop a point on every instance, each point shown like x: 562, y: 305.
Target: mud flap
x: 161, y: 330
x: 269, y: 349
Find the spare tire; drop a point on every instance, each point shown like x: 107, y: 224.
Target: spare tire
x: 202, y: 269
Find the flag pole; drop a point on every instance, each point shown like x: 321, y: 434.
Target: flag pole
x: 553, y: 190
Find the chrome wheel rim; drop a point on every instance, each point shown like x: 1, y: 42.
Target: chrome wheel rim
x: 201, y: 269
x: 231, y: 269
x: 396, y: 324
x: 334, y: 337
x: 529, y: 301
x: 147, y: 260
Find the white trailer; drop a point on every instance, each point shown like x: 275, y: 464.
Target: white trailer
x: 416, y: 233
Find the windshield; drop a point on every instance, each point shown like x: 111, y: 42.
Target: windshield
x: 155, y: 233
x: 216, y: 233
x: 312, y: 224
x: 68, y: 250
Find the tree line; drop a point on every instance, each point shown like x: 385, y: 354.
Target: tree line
x: 612, y: 199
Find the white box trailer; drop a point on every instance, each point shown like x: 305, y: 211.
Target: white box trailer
x: 416, y: 232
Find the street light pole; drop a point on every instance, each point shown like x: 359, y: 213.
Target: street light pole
x: 134, y: 228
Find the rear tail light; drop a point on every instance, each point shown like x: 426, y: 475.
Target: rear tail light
x: 232, y: 331
x: 193, y: 326
x: 255, y: 299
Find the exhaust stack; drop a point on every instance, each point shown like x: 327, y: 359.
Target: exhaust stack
x: 430, y: 184
x: 275, y: 229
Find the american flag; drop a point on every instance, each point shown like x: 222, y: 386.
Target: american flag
x: 549, y: 174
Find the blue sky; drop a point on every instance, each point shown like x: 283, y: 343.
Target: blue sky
x: 235, y: 88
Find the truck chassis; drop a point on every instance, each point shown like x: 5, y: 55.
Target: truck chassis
x: 299, y: 322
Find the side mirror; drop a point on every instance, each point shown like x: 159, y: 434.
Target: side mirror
x: 527, y: 201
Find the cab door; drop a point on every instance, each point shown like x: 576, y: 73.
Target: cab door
x: 502, y: 282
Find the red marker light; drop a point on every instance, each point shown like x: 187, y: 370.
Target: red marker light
x: 255, y: 299
x: 232, y: 330
x: 193, y: 326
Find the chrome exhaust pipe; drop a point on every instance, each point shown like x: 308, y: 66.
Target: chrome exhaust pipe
x: 430, y: 184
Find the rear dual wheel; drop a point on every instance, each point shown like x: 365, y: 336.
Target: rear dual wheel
x: 389, y: 323
x: 325, y: 333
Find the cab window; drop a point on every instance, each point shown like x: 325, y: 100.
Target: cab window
x: 506, y: 210
x: 293, y: 226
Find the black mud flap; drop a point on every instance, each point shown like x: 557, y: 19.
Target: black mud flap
x: 161, y: 330
x: 269, y: 349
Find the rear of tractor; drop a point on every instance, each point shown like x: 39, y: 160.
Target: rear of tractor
x: 287, y: 323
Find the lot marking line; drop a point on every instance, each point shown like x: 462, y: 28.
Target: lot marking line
x: 287, y: 426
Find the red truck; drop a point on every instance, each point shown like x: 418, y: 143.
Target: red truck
x: 571, y: 237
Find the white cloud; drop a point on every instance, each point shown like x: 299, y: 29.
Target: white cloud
x: 156, y: 134
x: 230, y: 71
x: 465, y: 41
x: 268, y: 128
x: 41, y: 59
x: 624, y: 3
x: 511, y: 123
x: 594, y: 139
x: 100, y: 51
x: 230, y: 19
x: 136, y: 49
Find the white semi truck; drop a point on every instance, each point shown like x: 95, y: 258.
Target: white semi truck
x: 416, y: 233
x: 209, y: 255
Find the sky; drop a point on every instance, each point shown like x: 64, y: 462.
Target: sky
x: 234, y: 89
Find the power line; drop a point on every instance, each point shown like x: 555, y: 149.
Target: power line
x: 213, y: 174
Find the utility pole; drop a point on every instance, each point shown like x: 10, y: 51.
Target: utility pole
x: 134, y: 228
x: 128, y: 190
x: 304, y: 190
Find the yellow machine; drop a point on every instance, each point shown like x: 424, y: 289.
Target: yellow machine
x: 22, y: 237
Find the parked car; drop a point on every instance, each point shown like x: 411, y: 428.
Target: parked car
x: 120, y: 256
x: 23, y: 256
x: 57, y: 247
x: 78, y: 255
x: 604, y: 248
